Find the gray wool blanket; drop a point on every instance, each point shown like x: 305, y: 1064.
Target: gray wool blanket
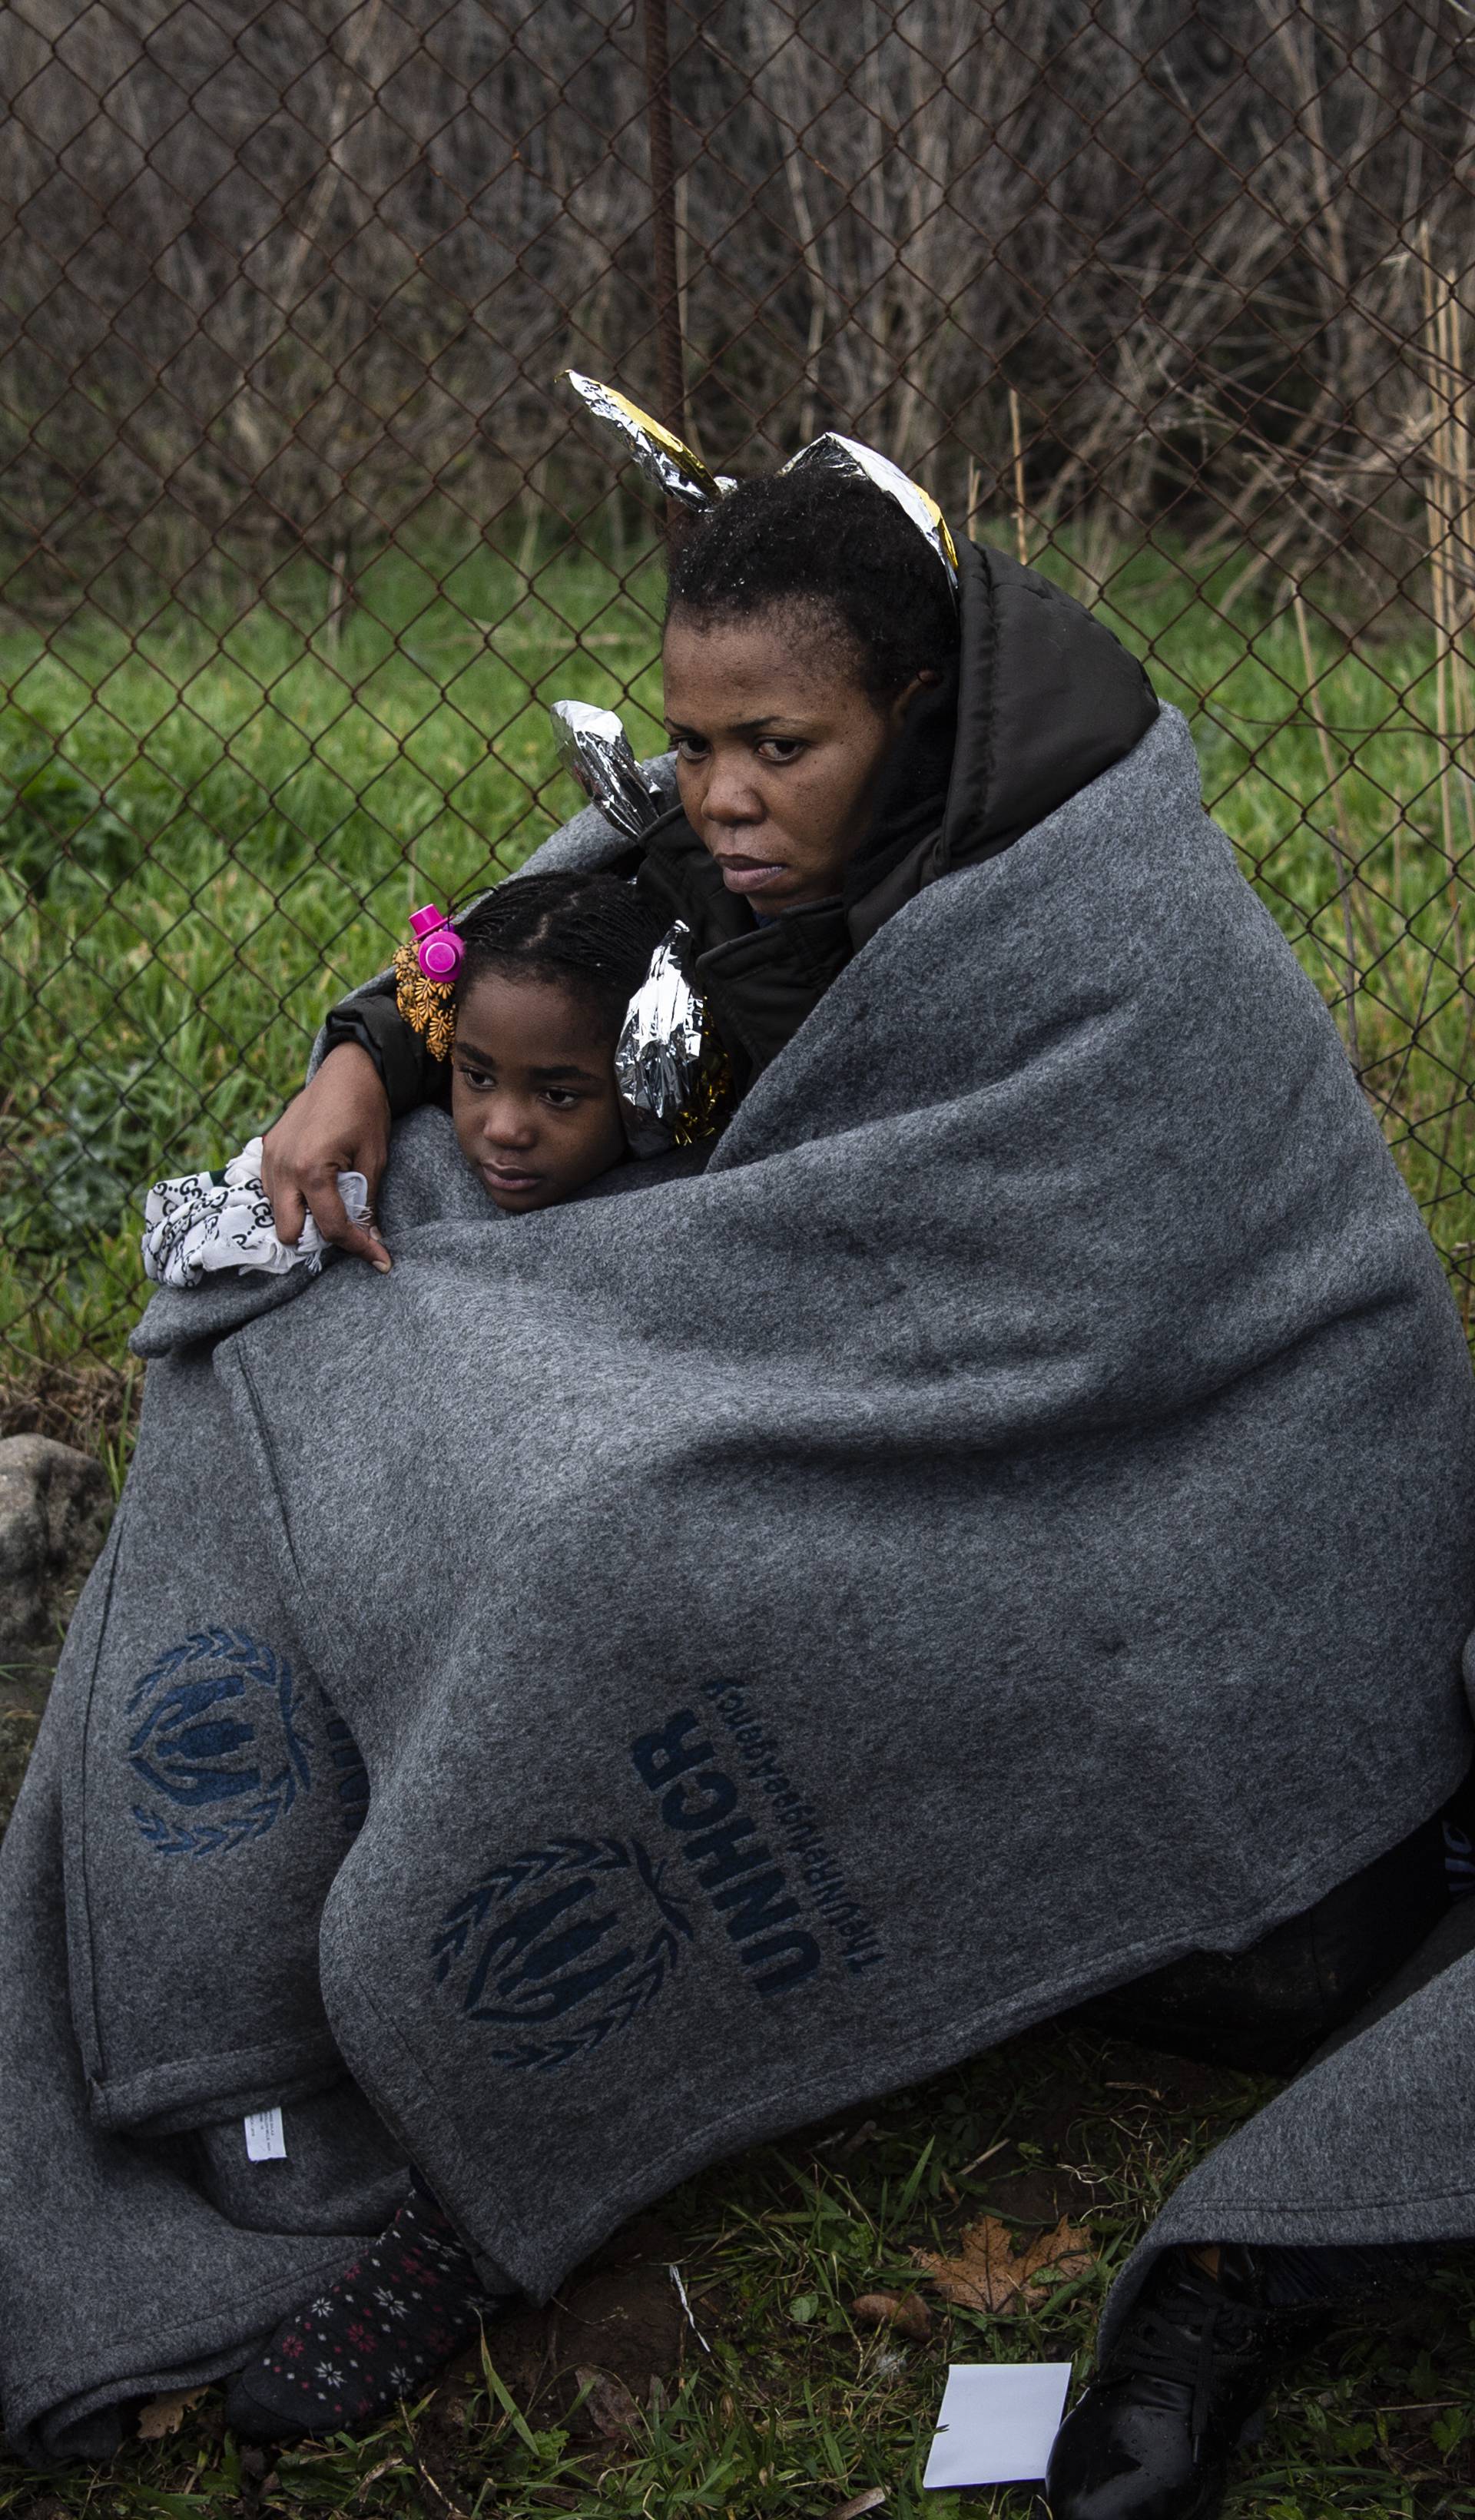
x: 648, y: 1674
x: 1373, y: 2144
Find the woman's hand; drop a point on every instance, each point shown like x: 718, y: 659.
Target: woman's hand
x: 340, y: 1123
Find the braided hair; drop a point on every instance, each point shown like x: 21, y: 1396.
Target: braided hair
x: 590, y: 932
x: 839, y: 547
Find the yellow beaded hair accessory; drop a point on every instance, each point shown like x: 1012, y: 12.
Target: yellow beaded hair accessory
x: 424, y: 978
x: 427, y: 1006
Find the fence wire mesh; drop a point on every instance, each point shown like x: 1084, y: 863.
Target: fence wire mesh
x: 298, y: 537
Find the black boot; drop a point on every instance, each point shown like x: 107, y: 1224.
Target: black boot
x: 1152, y: 2436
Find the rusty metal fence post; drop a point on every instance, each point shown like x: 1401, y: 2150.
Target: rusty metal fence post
x: 669, y: 348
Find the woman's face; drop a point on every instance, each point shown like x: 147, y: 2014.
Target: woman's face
x: 533, y: 1090
x: 777, y: 746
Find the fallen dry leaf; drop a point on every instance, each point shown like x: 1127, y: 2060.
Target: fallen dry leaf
x: 911, y: 2318
x: 165, y: 2414
x: 870, y: 2500
x: 608, y: 2409
x: 990, y: 2273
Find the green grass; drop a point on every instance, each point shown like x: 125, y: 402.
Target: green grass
x: 791, y: 2409
x: 213, y: 823
x: 212, y: 827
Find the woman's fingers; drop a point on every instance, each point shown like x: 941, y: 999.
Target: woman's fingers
x: 288, y: 1205
x: 334, y: 1222
x: 340, y: 1123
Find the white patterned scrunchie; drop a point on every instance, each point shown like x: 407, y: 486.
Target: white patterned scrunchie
x: 201, y: 1222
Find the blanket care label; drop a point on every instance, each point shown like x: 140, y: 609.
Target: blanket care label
x: 264, y: 2139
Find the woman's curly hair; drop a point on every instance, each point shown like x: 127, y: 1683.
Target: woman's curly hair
x: 836, y: 545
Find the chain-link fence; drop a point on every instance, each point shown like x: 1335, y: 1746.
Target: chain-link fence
x: 300, y: 536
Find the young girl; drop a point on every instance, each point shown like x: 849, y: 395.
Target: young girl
x: 550, y: 965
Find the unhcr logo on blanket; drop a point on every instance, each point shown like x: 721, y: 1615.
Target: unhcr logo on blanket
x: 218, y: 1744
x: 747, y: 1887
x: 561, y: 1947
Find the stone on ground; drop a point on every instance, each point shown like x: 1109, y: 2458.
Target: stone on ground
x: 55, y: 1506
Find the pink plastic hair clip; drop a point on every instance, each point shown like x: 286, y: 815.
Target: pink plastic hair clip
x: 440, y: 951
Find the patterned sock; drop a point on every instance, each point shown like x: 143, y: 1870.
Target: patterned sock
x: 390, y: 2318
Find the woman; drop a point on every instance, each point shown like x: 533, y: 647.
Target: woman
x: 1004, y: 1524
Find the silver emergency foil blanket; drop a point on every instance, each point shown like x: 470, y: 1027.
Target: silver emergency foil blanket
x: 594, y: 749
x: 666, y: 462
x: 845, y: 454
x: 657, y: 1060
x: 663, y: 1064
x: 677, y: 470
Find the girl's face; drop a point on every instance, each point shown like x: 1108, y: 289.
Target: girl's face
x: 778, y: 748
x: 533, y: 1090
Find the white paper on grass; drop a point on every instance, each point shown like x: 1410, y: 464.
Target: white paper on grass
x: 996, y: 2422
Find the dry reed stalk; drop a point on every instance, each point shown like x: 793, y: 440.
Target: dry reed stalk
x: 1436, y: 513
x: 337, y: 600
x: 1413, y: 962
x: 533, y: 503
x: 1449, y: 524
x: 1014, y: 432
x: 974, y: 482
x: 1339, y: 836
x: 1457, y: 1104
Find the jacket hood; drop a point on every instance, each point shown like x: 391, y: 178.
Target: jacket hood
x: 1043, y: 700
x: 1047, y: 699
